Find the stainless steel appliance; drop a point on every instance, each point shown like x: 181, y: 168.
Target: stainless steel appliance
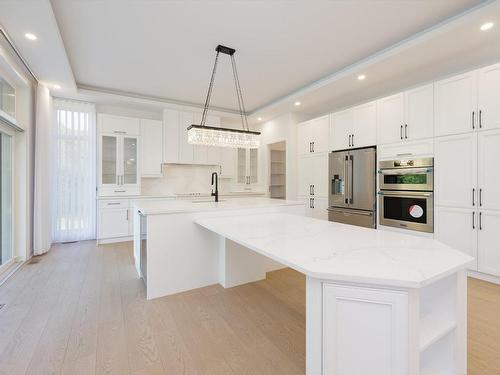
x: 352, y: 198
x: 406, y: 198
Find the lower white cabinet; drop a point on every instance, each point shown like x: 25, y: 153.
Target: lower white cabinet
x: 488, y: 243
x: 383, y: 338
x: 312, y: 175
x: 316, y: 207
x: 114, y: 220
x: 457, y: 227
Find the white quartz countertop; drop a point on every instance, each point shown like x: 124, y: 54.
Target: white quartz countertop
x: 158, y: 207
x: 192, y: 196
x: 341, y: 252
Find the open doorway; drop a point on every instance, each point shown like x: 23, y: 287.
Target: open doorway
x: 277, y: 168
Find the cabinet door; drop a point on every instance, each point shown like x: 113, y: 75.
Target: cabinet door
x: 253, y: 165
x: 109, y: 167
x: 186, y: 152
x: 457, y: 227
x: 227, y: 162
x: 365, y: 125
x: 489, y: 169
x: 341, y: 128
x: 320, y: 206
x: 304, y: 138
x: 391, y: 118
x: 488, y: 244
x: 373, y: 322
x: 119, y: 124
x: 419, y: 113
x: 455, y: 172
x: 455, y: 105
x: 319, y: 168
x: 113, y: 223
x: 489, y: 97
x: 170, y: 136
x: 304, y: 175
x: 241, y: 166
x: 152, y: 148
x: 130, y: 165
x: 320, y: 129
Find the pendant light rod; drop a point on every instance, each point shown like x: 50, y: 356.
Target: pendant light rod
x: 209, y: 93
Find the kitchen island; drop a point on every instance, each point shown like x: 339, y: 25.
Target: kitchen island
x: 377, y: 302
x: 173, y: 254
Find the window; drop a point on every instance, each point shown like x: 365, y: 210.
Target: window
x: 74, y: 172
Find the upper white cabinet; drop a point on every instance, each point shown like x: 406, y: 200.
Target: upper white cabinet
x: 455, y: 170
x: 152, y: 148
x: 354, y: 127
x: 489, y: 97
x: 313, y: 136
x: 456, y: 104
x: 247, y: 166
x: 171, y: 119
x: 407, y: 116
x: 186, y: 150
x: 118, y: 156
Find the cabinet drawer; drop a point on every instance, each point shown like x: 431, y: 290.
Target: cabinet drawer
x: 406, y: 149
x: 113, y: 203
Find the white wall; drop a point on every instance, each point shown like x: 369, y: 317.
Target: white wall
x: 281, y: 128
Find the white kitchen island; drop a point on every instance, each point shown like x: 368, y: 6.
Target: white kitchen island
x: 377, y: 302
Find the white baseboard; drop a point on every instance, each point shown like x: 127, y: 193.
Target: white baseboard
x: 104, y: 241
x: 484, y: 277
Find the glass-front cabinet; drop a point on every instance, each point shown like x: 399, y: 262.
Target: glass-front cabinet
x: 118, y: 162
x: 248, y: 166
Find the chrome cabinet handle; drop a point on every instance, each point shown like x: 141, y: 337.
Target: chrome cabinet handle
x: 312, y: 202
x: 312, y: 189
x: 406, y: 131
x: 473, y: 118
x: 349, y: 140
x: 480, y: 221
x: 473, y: 196
x: 401, y: 132
x: 113, y: 203
x: 473, y: 220
x: 480, y: 119
x: 481, y: 197
x: 352, y: 140
x: 120, y: 191
x: 313, y: 147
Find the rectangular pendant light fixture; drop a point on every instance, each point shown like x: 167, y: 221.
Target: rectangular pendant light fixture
x: 221, y: 137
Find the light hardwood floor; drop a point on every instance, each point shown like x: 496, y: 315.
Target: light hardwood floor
x: 81, y: 310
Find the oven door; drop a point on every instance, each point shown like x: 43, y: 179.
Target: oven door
x: 408, y: 210
x: 417, y: 179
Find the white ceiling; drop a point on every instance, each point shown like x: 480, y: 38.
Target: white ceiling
x: 166, y: 49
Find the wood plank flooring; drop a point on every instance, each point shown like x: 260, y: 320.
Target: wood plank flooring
x: 81, y: 310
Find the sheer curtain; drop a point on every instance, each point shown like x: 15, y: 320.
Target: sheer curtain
x: 74, y: 184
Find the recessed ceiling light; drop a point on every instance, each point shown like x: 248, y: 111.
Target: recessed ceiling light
x: 361, y: 77
x: 57, y: 87
x: 259, y: 118
x: 297, y: 104
x: 486, y: 26
x: 30, y: 36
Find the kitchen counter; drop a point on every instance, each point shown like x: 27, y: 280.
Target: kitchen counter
x: 159, y: 207
x: 187, y: 196
x: 340, y: 252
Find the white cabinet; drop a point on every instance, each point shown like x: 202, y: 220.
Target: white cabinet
x: 455, y: 170
x: 354, y: 127
x: 186, y: 150
x: 118, y: 164
x: 488, y: 244
x: 114, y: 220
x: 407, y: 116
x: 489, y: 169
x: 383, y: 338
x: 171, y: 128
x: 457, y: 227
x: 391, y: 118
x: 312, y: 136
x: 304, y: 176
x: 312, y: 176
x: 489, y: 97
x: 152, y: 148
x: 227, y: 162
x: 118, y: 124
x: 455, y: 104
x: 247, y: 166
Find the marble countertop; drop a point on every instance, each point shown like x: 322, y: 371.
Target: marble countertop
x: 187, y: 196
x: 159, y: 207
x: 341, y: 252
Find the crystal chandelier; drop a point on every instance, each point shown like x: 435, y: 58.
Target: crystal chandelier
x: 221, y: 137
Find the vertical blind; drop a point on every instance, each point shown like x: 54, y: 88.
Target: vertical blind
x: 74, y: 172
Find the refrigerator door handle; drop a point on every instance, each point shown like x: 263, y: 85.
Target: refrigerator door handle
x: 351, y: 185
x: 346, y: 180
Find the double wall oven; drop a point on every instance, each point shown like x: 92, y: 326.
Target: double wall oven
x: 406, y: 196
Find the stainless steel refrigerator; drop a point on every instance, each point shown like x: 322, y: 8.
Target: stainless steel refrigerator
x: 352, y: 187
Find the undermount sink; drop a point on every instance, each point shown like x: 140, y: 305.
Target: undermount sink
x: 207, y: 201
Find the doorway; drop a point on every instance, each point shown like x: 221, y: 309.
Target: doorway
x: 277, y: 168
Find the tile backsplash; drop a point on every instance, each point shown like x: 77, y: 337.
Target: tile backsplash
x: 183, y: 179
